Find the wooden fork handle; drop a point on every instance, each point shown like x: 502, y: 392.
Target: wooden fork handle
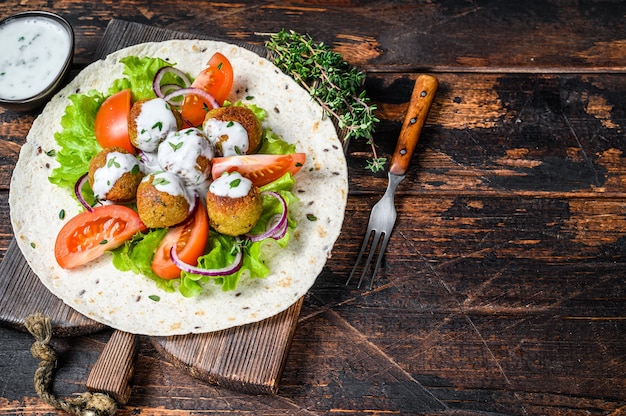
x: 421, y: 99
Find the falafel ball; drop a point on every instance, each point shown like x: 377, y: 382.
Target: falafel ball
x: 233, y: 130
x: 162, y: 200
x: 114, y: 175
x: 187, y: 153
x: 150, y: 122
x: 234, y: 204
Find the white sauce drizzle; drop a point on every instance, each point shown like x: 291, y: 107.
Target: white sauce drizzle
x: 154, y: 122
x: 230, y: 136
x: 117, y: 164
x: 179, y: 153
x: 231, y: 185
x: 170, y: 183
x: 34, y: 51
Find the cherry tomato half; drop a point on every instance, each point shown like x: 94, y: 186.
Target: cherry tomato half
x: 111, y: 124
x: 89, y: 234
x: 259, y: 168
x: 190, y: 239
x: 217, y: 80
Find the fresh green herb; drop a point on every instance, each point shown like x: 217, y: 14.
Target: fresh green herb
x: 176, y: 146
x: 311, y: 217
x: 230, y: 124
x: 61, y: 214
x: 235, y: 183
x: 160, y: 181
x: 331, y: 81
x: 51, y: 153
x: 155, y: 298
x: 219, y: 66
x: 103, y: 242
x: 135, y: 170
x: 33, y: 245
x: 112, y: 162
x: 158, y: 125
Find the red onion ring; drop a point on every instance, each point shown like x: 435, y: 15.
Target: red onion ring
x: 224, y: 271
x: 78, y: 191
x: 276, y: 229
x: 205, y: 96
x: 158, y: 77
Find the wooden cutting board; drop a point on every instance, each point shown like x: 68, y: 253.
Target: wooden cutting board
x: 248, y: 358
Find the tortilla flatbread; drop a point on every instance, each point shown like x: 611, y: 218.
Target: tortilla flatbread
x: 122, y: 299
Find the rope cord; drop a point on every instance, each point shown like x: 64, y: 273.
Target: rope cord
x: 86, y: 404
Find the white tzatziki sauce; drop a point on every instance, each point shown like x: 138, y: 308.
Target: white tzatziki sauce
x: 231, y: 185
x: 34, y: 51
x: 117, y: 164
x: 180, y: 151
x: 228, y: 136
x: 170, y: 183
x: 154, y: 122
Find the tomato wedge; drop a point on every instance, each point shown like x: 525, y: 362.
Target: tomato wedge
x: 217, y: 80
x: 89, y: 234
x: 111, y: 123
x: 190, y: 240
x: 261, y: 169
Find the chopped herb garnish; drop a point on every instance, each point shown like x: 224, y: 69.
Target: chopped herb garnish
x: 249, y: 97
x: 235, y: 183
x: 158, y: 125
x: 230, y: 124
x: 160, y: 181
x: 155, y: 298
x: 33, y: 245
x: 176, y: 146
x: 112, y: 162
x: 104, y: 241
x: 311, y: 217
x: 135, y: 170
x: 219, y: 66
x: 51, y: 153
x: 298, y: 164
x: 61, y: 214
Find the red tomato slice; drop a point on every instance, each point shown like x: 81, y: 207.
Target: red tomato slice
x: 260, y: 169
x: 111, y: 124
x: 190, y: 239
x: 89, y: 234
x: 217, y: 80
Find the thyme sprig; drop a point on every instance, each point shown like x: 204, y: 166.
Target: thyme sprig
x: 331, y: 81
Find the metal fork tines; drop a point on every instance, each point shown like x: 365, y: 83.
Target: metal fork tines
x: 379, y: 227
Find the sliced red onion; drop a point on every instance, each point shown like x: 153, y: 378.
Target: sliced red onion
x: 224, y: 271
x: 204, y: 96
x: 277, y: 225
x: 78, y: 191
x: 156, y: 82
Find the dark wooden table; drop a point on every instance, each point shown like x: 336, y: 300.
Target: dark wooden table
x: 503, y: 289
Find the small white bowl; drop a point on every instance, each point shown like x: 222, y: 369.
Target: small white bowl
x: 17, y: 53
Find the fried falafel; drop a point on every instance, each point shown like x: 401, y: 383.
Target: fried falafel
x: 162, y: 200
x: 114, y: 175
x: 234, y: 204
x: 233, y: 130
x: 150, y: 122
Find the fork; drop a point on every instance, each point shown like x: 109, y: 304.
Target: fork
x: 383, y: 215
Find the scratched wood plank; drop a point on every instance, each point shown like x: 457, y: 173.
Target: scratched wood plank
x: 549, y: 36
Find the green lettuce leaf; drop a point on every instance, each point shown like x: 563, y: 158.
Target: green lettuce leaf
x: 77, y: 140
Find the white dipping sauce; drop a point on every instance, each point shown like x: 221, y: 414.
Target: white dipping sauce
x: 34, y: 51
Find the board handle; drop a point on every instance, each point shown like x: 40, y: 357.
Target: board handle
x: 114, y: 369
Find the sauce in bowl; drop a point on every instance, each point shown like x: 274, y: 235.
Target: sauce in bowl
x: 36, y: 49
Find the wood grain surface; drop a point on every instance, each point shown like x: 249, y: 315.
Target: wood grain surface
x: 502, y: 291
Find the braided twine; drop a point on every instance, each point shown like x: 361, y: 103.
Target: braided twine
x: 86, y: 404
